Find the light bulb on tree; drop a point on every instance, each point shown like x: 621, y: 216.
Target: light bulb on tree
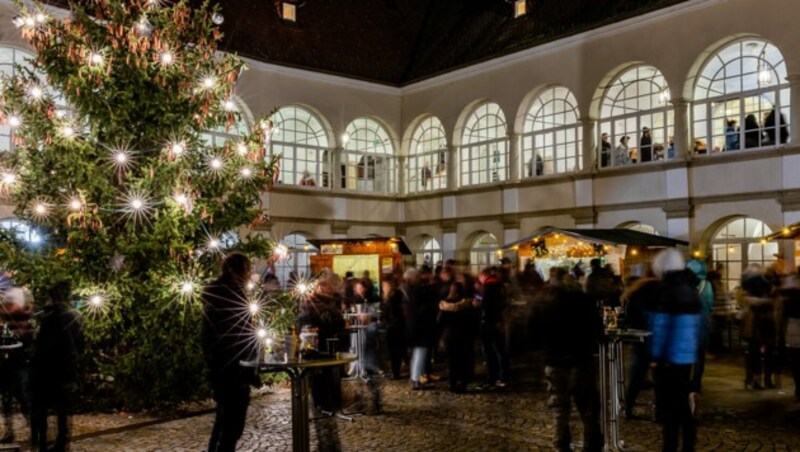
x: 75, y: 205
x: 213, y: 244
x: 216, y: 163
x: 254, y: 308
x: 281, y: 252
x: 14, y: 121
x: 35, y: 92
x: 167, y: 58
x: 241, y: 149
x: 40, y: 18
x: 29, y: 21
x: 177, y: 148
x: 143, y: 26
x: 246, y: 173
x: 96, y: 301
x: 208, y: 82
x: 229, y: 106
x: 9, y: 178
x: 67, y: 132
x: 137, y: 204
x: 181, y: 199
x: 95, y: 59
x: 121, y: 158
x: 261, y: 333
x: 187, y: 288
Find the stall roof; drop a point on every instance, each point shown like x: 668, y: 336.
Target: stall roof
x: 607, y: 236
x: 401, y: 244
x: 790, y: 232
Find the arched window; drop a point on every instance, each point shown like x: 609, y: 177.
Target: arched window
x: 740, y: 243
x: 299, y: 260
x: 9, y: 59
x: 23, y: 231
x: 302, y: 142
x: 637, y: 117
x: 551, y: 140
x: 483, y: 252
x: 484, y: 146
x: 367, y: 161
x: 427, y: 160
x: 429, y: 252
x: 741, y: 99
x: 219, y: 135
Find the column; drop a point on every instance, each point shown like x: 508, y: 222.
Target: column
x: 402, y: 180
x: 681, y: 134
x: 452, y: 167
x: 794, y: 114
x: 513, y: 157
x: 335, y: 169
x: 589, y: 145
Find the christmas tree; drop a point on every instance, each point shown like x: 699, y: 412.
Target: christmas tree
x: 111, y: 164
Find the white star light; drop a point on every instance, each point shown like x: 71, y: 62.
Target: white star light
x: 96, y: 300
x: 214, y: 244
x: 9, y: 178
x: 246, y: 172
x: 75, y: 205
x: 35, y: 93
x: 187, y: 288
x: 136, y: 206
x: 167, y: 58
x: 215, y: 165
x: 207, y: 82
x: 281, y: 252
x: 14, y: 121
x: 241, y: 149
x: 261, y: 333
x: 96, y: 59
x: 254, y: 308
x: 40, y: 18
x: 120, y: 157
x: 67, y: 132
x: 229, y: 106
x: 143, y: 26
x: 181, y: 199
x: 40, y: 209
x: 177, y: 148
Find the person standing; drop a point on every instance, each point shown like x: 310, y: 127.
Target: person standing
x: 420, y: 325
x: 226, y: 341
x: 54, y: 367
x: 455, y: 324
x: 674, y: 321
x: 493, y: 306
x: 758, y: 328
x: 646, y: 146
x: 638, y: 297
x: 731, y: 136
x: 394, y: 316
x: 571, y: 328
x: 622, y: 156
x: 605, y: 151
x: 15, y: 368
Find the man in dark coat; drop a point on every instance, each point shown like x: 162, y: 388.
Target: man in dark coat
x: 227, y: 339
x: 571, y: 328
x: 54, y: 366
x: 493, y: 306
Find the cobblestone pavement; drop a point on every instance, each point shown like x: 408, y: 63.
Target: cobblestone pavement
x: 511, y: 419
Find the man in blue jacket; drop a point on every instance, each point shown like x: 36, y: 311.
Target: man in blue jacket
x: 674, y: 321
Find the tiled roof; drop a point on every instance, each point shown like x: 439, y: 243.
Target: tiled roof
x: 397, y: 42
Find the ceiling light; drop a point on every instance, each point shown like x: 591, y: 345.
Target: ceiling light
x: 520, y: 8
x: 289, y: 12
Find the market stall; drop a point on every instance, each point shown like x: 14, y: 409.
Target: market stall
x: 378, y: 255
x: 791, y: 232
x: 624, y: 249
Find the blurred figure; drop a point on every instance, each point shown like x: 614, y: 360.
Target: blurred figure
x: 605, y: 151
x: 646, y: 145
x: 639, y: 298
x: 394, y: 315
x: 420, y: 325
x: 492, y: 304
x: 455, y: 323
x: 775, y: 133
x: 600, y: 285
x: 758, y: 327
x: 572, y: 328
x: 674, y: 320
x: 706, y: 292
x: 731, y: 136
x: 17, y: 311
x: 227, y: 339
x: 790, y: 293
x: 622, y: 155
x: 752, y: 132
x: 54, y: 367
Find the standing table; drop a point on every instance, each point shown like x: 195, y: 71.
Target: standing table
x: 298, y: 371
x: 612, y: 382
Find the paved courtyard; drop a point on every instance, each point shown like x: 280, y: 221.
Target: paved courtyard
x: 512, y: 419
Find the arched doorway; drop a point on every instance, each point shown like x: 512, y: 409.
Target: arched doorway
x: 739, y: 243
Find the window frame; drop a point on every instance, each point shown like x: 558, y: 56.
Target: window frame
x: 473, y: 152
x: 435, y: 156
x: 532, y: 135
x: 371, y: 174
x: 302, y: 155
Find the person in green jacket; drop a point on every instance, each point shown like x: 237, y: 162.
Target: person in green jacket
x: 706, y: 292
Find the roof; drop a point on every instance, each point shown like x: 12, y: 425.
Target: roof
x: 790, y: 232
x: 398, y: 42
x: 608, y: 236
x: 401, y: 244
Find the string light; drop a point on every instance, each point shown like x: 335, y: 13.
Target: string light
x: 96, y: 300
x: 14, y: 121
x: 95, y: 59
x: 75, y: 205
x: 167, y: 58
x: 177, y: 148
x: 229, y: 106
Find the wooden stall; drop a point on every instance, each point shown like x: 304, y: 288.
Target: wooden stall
x: 624, y: 249
x: 378, y: 255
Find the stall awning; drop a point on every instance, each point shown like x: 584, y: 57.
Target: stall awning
x: 790, y: 232
x: 607, y: 237
x: 401, y: 244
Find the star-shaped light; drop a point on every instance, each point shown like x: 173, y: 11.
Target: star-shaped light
x: 35, y: 93
x: 281, y: 252
x: 67, y: 131
x: 9, y: 178
x: 166, y: 57
x: 40, y: 209
x: 229, y: 106
x: 246, y: 172
x: 143, y: 26
x: 207, y: 82
x: 14, y: 120
x: 120, y: 157
x: 242, y: 149
x: 96, y: 59
x: 136, y: 205
x: 215, y: 164
x: 177, y: 148
x: 75, y: 204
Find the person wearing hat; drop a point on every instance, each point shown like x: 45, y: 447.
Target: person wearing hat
x: 646, y: 146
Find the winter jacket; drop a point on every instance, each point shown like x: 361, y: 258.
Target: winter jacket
x: 674, y: 320
x: 791, y: 315
x: 57, y: 347
x: 569, y: 325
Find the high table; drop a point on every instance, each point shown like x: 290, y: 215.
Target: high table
x: 612, y: 382
x: 298, y: 371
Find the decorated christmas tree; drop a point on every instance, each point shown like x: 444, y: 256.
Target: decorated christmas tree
x: 113, y: 167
